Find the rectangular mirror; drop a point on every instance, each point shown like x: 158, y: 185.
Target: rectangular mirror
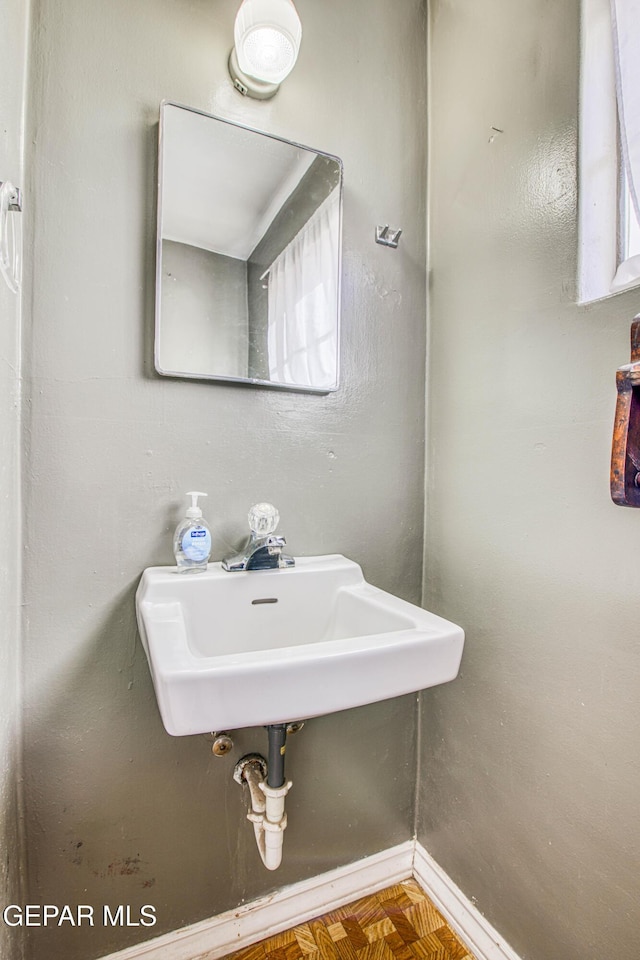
x: 248, y: 256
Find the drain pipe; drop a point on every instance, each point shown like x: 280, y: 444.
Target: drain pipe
x: 275, y: 790
x: 268, y: 790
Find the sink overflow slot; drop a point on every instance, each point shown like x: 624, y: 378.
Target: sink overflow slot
x: 265, y: 600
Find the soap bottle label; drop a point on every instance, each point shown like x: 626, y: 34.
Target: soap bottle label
x: 196, y: 544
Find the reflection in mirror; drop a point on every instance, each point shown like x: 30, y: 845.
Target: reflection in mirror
x: 248, y: 265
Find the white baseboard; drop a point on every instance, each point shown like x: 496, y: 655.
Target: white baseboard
x: 279, y: 911
x: 302, y: 901
x: 462, y: 916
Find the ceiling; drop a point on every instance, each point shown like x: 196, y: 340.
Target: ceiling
x: 222, y: 184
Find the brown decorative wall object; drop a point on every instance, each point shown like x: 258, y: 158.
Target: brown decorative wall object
x: 625, y: 452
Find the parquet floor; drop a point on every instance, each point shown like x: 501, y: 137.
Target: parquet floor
x: 398, y: 923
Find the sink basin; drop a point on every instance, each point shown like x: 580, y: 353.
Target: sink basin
x: 230, y: 650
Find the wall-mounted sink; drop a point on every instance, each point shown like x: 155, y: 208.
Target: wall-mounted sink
x: 230, y: 650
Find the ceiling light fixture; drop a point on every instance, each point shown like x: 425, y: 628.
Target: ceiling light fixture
x: 267, y: 37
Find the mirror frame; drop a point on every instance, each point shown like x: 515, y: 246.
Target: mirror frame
x: 247, y: 381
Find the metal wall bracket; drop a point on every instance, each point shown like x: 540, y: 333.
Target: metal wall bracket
x: 15, y: 201
x: 387, y: 238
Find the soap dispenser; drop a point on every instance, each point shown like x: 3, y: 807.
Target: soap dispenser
x: 192, y: 539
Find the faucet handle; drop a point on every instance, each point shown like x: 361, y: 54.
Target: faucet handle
x: 275, y: 544
x: 263, y: 519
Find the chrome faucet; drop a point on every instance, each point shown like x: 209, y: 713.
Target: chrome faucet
x: 263, y: 550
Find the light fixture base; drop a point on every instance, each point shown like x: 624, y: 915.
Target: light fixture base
x: 249, y: 86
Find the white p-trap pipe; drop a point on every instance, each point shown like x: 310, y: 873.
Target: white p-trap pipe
x: 267, y: 815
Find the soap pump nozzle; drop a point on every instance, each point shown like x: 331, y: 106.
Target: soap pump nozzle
x: 194, y: 512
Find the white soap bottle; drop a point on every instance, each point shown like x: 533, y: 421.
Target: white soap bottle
x: 192, y: 539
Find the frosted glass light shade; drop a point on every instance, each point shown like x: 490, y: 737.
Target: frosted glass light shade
x: 267, y: 37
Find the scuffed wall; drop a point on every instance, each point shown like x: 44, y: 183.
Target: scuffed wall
x: 118, y: 812
x: 529, y: 775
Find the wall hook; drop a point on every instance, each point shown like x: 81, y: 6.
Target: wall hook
x: 10, y: 235
x: 387, y: 238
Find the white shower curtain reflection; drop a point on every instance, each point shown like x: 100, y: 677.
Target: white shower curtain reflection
x: 303, y: 303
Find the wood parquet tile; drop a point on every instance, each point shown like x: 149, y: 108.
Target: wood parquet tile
x: 399, y: 923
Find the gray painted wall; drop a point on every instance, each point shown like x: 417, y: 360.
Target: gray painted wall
x: 204, y: 322
x: 13, y: 40
x: 118, y: 811
x: 530, y: 777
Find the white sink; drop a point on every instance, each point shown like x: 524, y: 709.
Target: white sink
x: 229, y: 650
